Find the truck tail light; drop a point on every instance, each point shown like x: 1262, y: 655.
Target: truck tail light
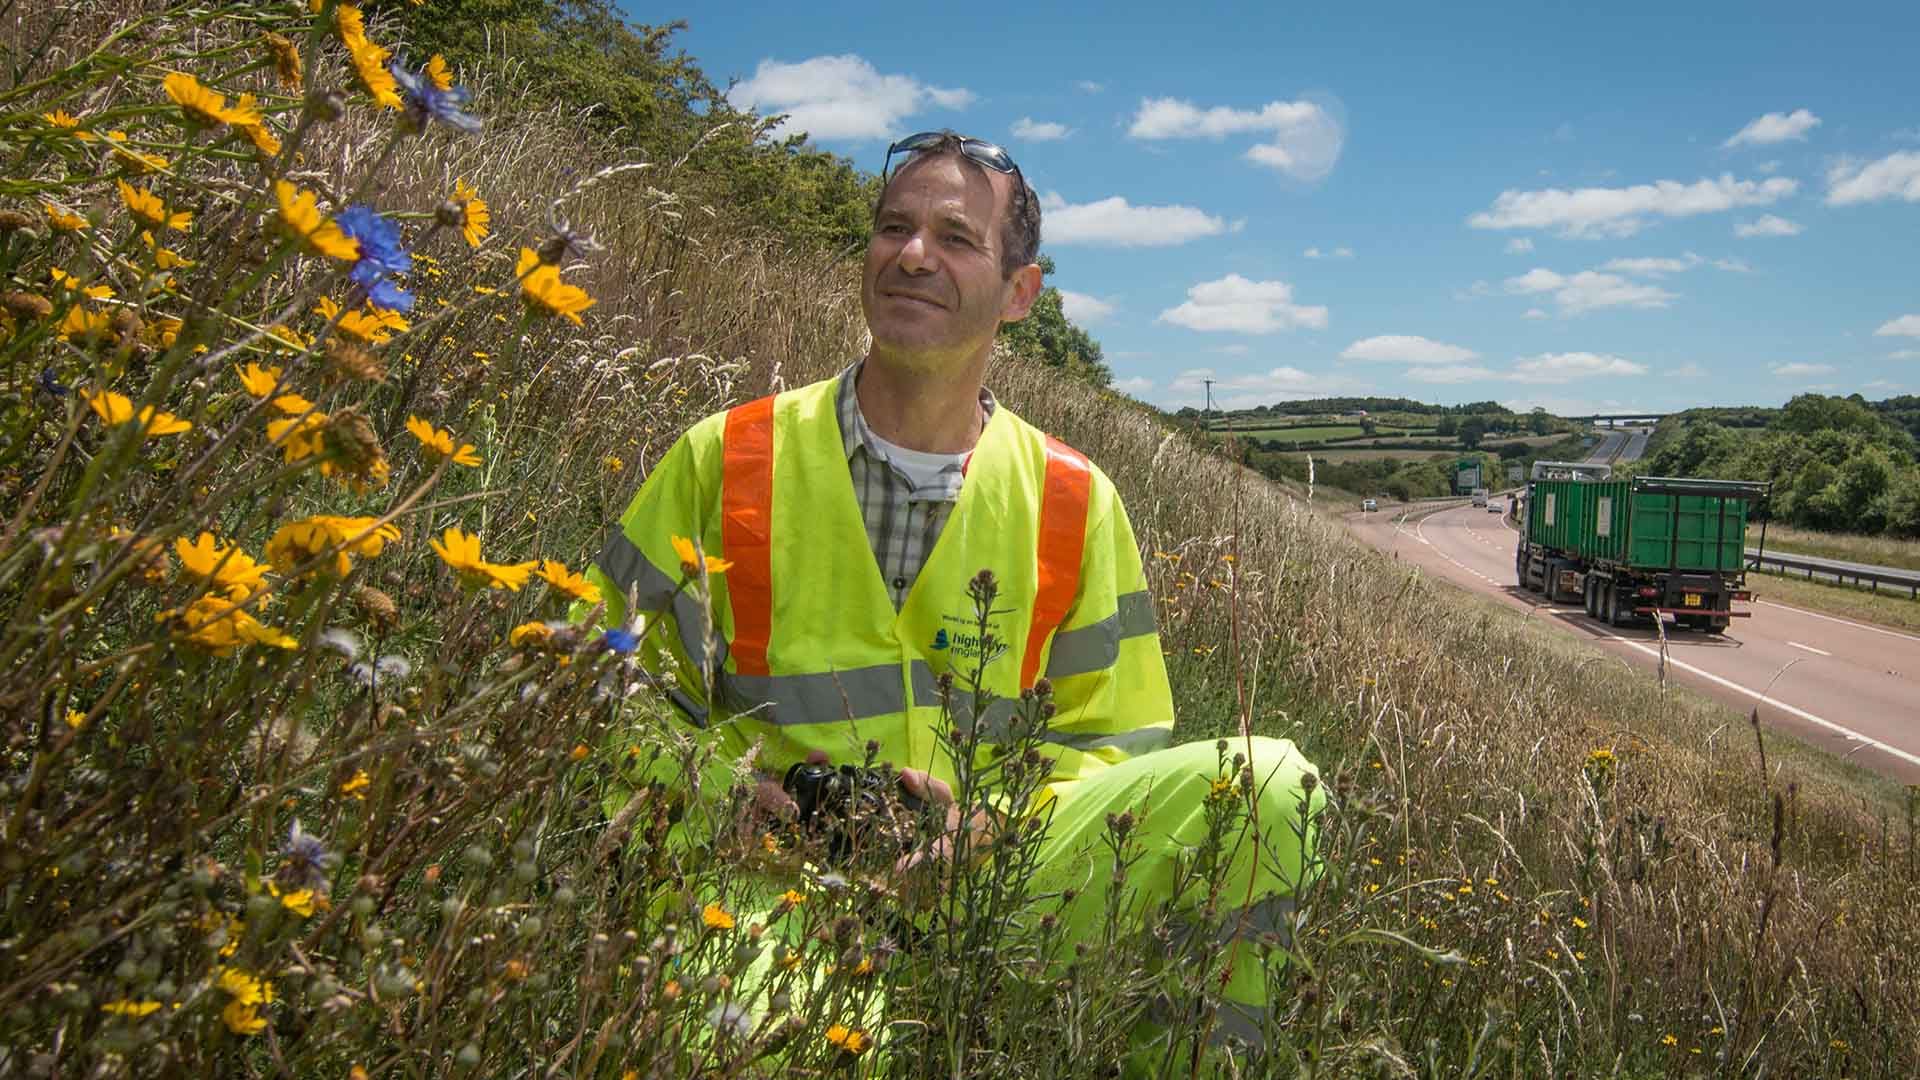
x: 1743, y: 595
x: 1648, y: 590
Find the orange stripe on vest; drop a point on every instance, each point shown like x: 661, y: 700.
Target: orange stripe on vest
x: 1063, y: 538
x: 746, y: 530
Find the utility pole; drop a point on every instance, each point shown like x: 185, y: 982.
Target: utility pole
x: 1206, y: 416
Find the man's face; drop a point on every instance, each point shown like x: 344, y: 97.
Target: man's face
x: 933, y: 292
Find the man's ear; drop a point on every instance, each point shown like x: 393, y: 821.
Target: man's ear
x: 1027, y: 284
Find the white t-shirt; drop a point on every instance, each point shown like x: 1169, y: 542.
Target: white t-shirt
x: 921, y: 467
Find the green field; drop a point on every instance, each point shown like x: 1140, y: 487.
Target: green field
x: 1369, y: 454
x: 1307, y: 432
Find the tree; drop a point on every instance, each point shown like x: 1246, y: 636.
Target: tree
x: 1538, y: 421
x: 1446, y: 425
x: 1472, y: 430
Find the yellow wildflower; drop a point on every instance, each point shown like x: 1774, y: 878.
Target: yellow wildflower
x: 542, y: 289
x: 286, y: 59
x: 76, y: 719
x: 150, y: 210
x: 129, y: 1007
x: 533, y: 635
x: 356, y: 785
x: 691, y: 561
x: 260, y: 382
x: 716, y: 917
x: 475, y: 218
x: 205, y: 105
x: 370, y: 64
x: 300, y: 901
x: 437, y: 443
x: 218, y: 625
x: 242, y: 1019
x: 257, y: 132
x: 436, y: 70
x: 163, y: 258
x: 369, y: 326
x: 316, y: 232
x: 301, y: 437
x: 568, y: 582
x: 63, y: 219
x: 66, y: 121
x: 116, y: 409
x: 229, y: 568
x: 299, y: 541
x: 849, y: 1040
x: 68, y: 281
x: 138, y: 161
x: 461, y: 551
x: 351, y: 25
x: 793, y: 898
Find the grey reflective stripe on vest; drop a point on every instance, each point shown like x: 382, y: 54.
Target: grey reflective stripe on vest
x: 1096, y: 647
x: 630, y: 572
x: 1233, y: 1020
x: 1274, y: 916
x: 822, y: 697
x: 1132, y: 743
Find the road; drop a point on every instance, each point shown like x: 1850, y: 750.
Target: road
x: 1847, y: 687
x: 1609, y: 445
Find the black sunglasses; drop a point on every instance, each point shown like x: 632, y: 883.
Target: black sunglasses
x: 979, y: 151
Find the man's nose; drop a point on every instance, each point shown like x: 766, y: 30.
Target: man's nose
x: 916, y: 256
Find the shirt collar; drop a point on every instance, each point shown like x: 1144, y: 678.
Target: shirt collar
x: 854, y: 432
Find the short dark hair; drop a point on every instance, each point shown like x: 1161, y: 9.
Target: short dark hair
x: 1019, y: 233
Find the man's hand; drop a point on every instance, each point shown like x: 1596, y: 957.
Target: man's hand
x: 933, y: 791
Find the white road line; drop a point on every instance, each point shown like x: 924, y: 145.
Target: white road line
x: 1843, y: 622
x: 1809, y: 648
x: 1911, y: 759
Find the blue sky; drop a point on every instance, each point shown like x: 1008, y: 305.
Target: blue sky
x: 1654, y: 207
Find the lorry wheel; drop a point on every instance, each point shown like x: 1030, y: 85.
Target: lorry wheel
x: 1615, y: 614
x: 1550, y: 581
x: 1588, y: 599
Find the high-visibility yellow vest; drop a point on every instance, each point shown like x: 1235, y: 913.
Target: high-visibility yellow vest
x: 807, y: 651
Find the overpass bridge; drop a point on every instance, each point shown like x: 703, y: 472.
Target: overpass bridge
x: 1623, y: 418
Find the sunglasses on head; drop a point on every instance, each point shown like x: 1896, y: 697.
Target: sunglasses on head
x: 978, y: 151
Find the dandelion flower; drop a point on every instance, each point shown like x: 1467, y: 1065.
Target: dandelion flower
x: 286, y: 59
x: 116, y: 409
x: 63, y: 219
x: 300, y: 213
x: 692, y: 562
x: 129, y: 1007
x: 147, y: 208
x: 542, y: 289
x: 461, y: 551
x: 205, y: 105
x: 568, y: 582
x: 258, y: 381
x: 716, y: 917
x: 475, y: 219
x: 229, y: 568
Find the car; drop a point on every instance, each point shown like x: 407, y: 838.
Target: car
x: 1369, y: 505
x: 1493, y: 507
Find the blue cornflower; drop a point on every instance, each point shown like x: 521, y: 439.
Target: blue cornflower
x: 382, y: 256
x: 425, y: 101
x: 309, y: 864
x: 50, y: 384
x: 620, y: 641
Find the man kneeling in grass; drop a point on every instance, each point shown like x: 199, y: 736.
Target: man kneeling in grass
x: 853, y: 518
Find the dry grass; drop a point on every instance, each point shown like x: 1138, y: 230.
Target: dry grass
x: 1886, y: 608
x: 1850, y: 547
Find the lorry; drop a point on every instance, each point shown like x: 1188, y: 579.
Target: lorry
x: 1479, y: 496
x: 1636, y: 549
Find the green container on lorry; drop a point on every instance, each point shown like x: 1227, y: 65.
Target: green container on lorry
x: 1648, y: 523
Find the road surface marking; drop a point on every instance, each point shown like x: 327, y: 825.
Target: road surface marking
x: 1809, y: 648
x: 1843, y: 622
x: 1911, y: 759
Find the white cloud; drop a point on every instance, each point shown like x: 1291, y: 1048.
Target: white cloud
x: 1114, y: 222
x: 1407, y: 349
x: 1519, y: 245
x: 1088, y: 86
x: 840, y: 97
x: 1336, y: 253
x: 1768, y: 225
x: 1623, y: 211
x: 1138, y: 386
x: 1589, y: 290
x: 1767, y: 168
x: 1653, y: 267
x: 1039, y: 130
x: 1234, y: 304
x: 1535, y: 313
x: 1565, y: 367
x: 1688, y: 370
x: 1303, y: 139
x: 1774, y: 128
x: 1240, y: 391
x: 1904, y: 326
x: 1083, y: 309
x: 1896, y: 176
x: 1451, y: 373
x: 1798, y: 371
x: 1734, y: 266
x: 1904, y: 354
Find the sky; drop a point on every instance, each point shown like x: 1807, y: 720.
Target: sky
x: 1641, y: 206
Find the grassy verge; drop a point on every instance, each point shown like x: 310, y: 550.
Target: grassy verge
x: 1850, y: 547
x: 1851, y: 601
